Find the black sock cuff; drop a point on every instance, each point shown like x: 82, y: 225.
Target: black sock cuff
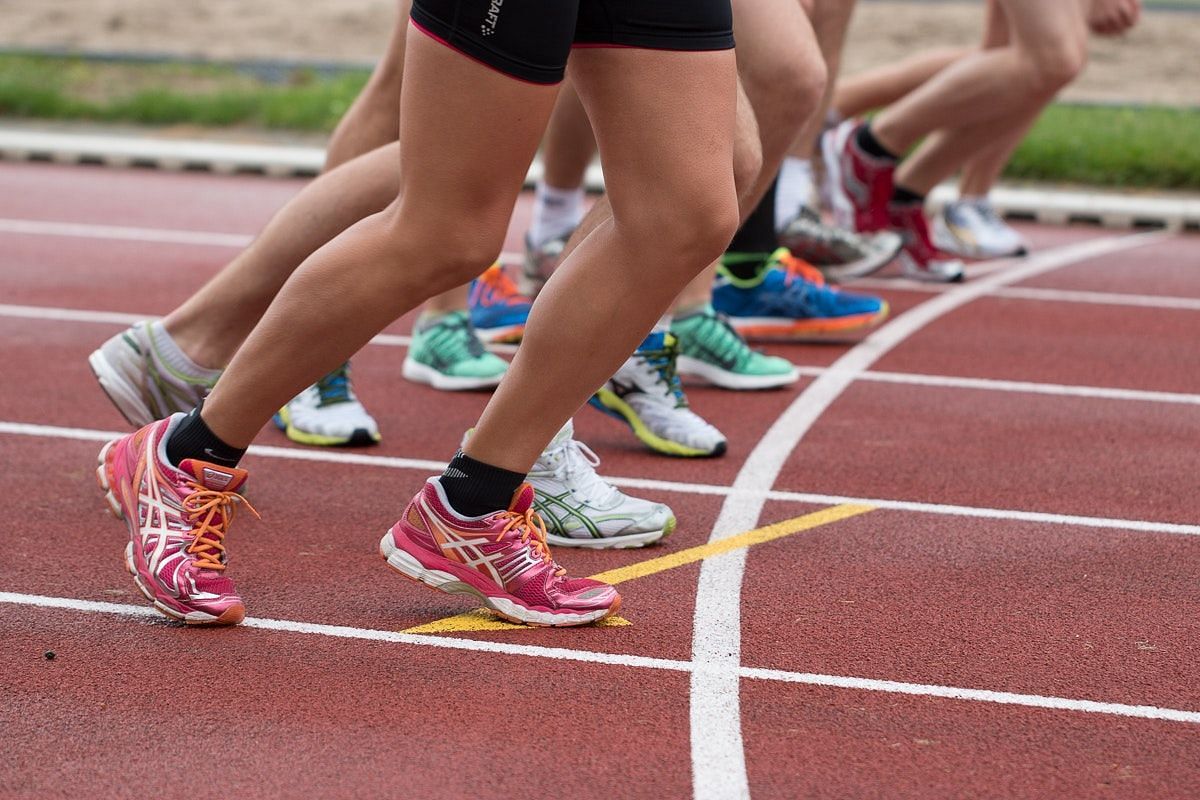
x: 906, y: 197
x: 870, y: 145
x: 192, y: 438
x: 474, y: 488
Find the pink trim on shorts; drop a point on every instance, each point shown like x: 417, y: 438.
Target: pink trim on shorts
x: 476, y: 59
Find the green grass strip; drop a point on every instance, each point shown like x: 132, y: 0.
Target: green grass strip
x: 1091, y: 145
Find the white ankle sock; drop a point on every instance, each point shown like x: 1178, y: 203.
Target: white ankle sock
x: 170, y: 354
x: 794, y: 189
x: 556, y: 212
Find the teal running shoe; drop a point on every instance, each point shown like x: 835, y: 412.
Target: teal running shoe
x: 446, y: 354
x: 710, y: 349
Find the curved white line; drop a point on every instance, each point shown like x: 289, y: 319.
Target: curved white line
x: 718, y: 752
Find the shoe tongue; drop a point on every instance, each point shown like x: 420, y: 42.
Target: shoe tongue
x: 522, y: 499
x: 566, y: 432
x: 214, y: 476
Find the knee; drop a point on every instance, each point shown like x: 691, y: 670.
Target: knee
x: 787, y: 90
x: 689, y: 234
x: 1050, y: 70
x: 453, y: 254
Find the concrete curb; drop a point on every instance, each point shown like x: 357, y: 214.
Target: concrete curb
x: 1050, y: 206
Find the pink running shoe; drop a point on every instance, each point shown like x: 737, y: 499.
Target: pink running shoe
x: 501, y: 559
x: 860, y: 185
x: 919, y: 257
x: 177, y: 519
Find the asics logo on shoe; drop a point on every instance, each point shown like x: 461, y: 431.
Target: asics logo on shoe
x: 469, y: 553
x: 216, y: 479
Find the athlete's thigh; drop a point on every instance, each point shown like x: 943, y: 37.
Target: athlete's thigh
x: 1038, y: 25
x: 659, y: 83
x: 480, y: 80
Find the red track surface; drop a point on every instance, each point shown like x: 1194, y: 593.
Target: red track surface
x: 1045, y: 608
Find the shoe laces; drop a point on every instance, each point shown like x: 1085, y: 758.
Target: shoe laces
x: 722, y: 339
x: 797, y: 268
x: 454, y: 339
x: 532, y: 529
x: 575, y: 464
x: 663, y: 361
x: 987, y: 213
x: 334, y: 388
x: 211, y: 513
x: 500, y: 288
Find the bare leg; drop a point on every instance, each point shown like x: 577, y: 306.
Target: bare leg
x: 351, y: 288
x: 830, y: 21
x: 855, y: 95
x: 674, y: 208
x: 568, y: 146
x: 1048, y: 51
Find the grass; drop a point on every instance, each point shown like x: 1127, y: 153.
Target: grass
x: 1091, y: 145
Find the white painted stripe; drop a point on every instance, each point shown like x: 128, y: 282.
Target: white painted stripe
x: 632, y: 661
x: 718, y: 754
x: 34, y: 227
x: 755, y: 493
x: 121, y: 233
x: 1040, y: 294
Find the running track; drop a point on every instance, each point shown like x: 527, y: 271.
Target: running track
x: 974, y: 571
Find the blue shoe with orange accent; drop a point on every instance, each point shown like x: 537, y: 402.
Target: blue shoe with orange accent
x: 789, y: 299
x: 498, y: 310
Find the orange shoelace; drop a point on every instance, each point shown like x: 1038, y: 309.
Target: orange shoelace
x: 500, y: 283
x: 532, y: 526
x: 217, y: 510
x: 794, y: 265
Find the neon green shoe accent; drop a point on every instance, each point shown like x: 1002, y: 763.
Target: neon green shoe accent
x: 284, y: 422
x: 615, y: 405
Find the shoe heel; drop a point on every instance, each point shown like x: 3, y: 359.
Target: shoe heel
x: 114, y: 507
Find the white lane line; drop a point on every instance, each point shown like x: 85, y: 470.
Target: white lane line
x: 718, y: 751
x: 74, y: 230
x: 634, y: 661
x: 910, y: 378
x: 1041, y: 294
x: 54, y: 314
x: 756, y: 493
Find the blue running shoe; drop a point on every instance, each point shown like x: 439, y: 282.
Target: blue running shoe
x: 789, y: 299
x: 498, y: 310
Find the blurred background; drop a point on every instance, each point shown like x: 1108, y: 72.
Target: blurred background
x: 276, y: 70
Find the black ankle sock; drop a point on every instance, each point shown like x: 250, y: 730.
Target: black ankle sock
x: 192, y: 438
x: 906, y: 197
x: 745, y: 266
x: 871, y: 146
x: 758, y: 234
x: 475, y: 488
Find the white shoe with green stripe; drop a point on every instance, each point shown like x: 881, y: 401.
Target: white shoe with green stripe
x: 581, y: 509
x: 328, y: 414
x: 710, y: 349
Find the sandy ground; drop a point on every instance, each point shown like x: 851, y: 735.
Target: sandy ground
x: 1154, y: 64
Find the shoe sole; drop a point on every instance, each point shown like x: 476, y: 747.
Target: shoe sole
x: 726, y: 379
x: 509, y: 334
x: 803, y: 330
x: 361, y: 437
x: 417, y: 372
x: 410, y: 567
x: 231, y: 616
x: 909, y: 269
x: 625, y: 542
x: 844, y: 273
x: 128, y: 401
x: 606, y: 401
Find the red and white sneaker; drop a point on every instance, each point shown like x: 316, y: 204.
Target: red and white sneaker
x: 920, y: 258
x: 501, y: 559
x: 860, y: 185
x: 177, y: 519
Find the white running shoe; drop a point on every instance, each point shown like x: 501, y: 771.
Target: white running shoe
x: 646, y: 395
x: 581, y: 509
x: 971, y: 228
x: 144, y: 380
x: 328, y: 414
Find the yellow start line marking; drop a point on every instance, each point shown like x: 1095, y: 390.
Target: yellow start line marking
x: 482, y: 620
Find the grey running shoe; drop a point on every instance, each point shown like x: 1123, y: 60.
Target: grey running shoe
x: 139, y: 381
x: 841, y: 255
x: 972, y: 229
x: 539, y: 264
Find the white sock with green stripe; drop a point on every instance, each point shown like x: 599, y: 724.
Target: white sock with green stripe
x: 170, y: 354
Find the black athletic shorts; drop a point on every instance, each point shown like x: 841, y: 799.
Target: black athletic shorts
x: 531, y: 39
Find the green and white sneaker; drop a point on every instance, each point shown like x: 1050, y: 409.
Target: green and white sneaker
x: 147, y: 377
x: 328, y: 414
x: 447, y: 354
x: 710, y: 349
x: 646, y: 395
